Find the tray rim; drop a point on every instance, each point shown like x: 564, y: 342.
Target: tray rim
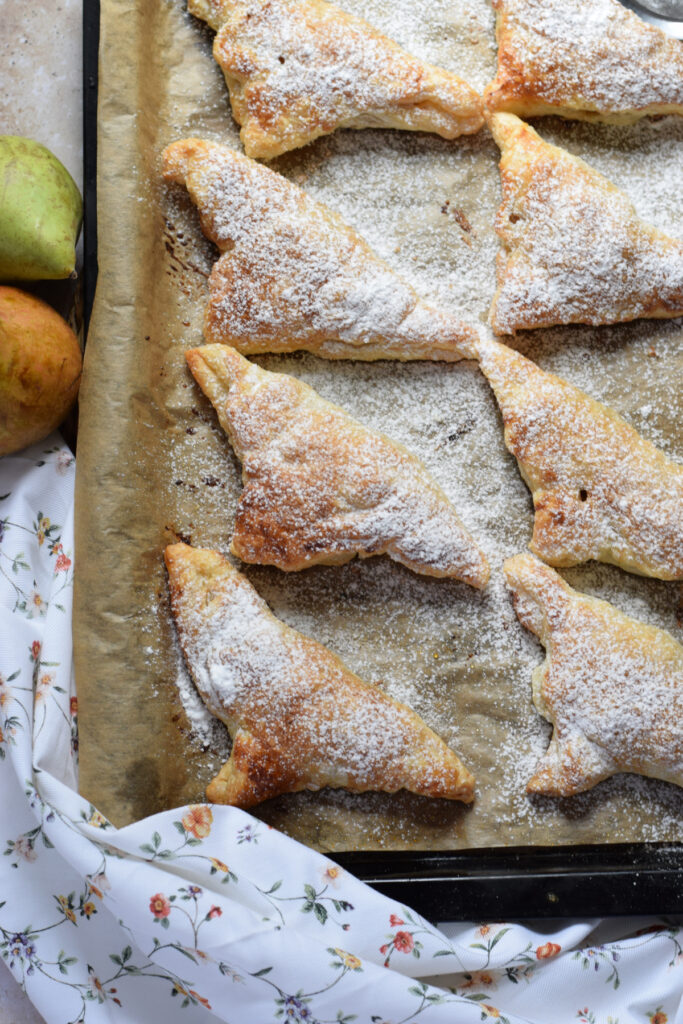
x: 503, y: 882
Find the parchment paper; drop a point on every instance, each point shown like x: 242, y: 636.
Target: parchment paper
x: 153, y: 465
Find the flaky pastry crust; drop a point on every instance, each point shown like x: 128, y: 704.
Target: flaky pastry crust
x: 600, y: 490
x: 591, y: 60
x: 319, y: 488
x: 575, y: 251
x: 298, y: 718
x: 292, y: 275
x: 298, y: 69
x: 612, y: 687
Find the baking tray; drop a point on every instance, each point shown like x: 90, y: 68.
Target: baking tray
x: 492, y: 883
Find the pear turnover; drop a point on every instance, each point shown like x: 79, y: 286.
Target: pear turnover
x: 298, y: 69
x: 612, y: 687
x: 298, y: 718
x: 592, y: 60
x: 292, y: 275
x: 600, y: 490
x: 320, y: 488
x: 575, y: 251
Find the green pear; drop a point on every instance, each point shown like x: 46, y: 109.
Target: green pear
x: 40, y: 212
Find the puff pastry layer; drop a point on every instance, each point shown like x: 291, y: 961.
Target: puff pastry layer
x: 600, y: 490
x: 298, y: 69
x: 575, y: 250
x: 592, y: 60
x: 612, y: 687
x: 299, y: 719
x: 321, y: 488
x: 293, y: 275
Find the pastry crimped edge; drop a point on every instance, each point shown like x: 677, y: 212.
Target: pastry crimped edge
x: 260, y: 766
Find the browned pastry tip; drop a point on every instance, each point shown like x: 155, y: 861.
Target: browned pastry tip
x: 591, y: 60
x: 292, y: 275
x: 600, y: 490
x: 612, y: 687
x: 574, y: 250
x: 298, y: 717
x: 320, y: 488
x: 299, y: 69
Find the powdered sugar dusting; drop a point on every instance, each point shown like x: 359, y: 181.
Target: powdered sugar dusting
x: 612, y: 687
x: 600, y: 490
x: 299, y: 70
x: 319, y: 487
x: 594, y: 56
x: 577, y: 253
x: 293, y: 696
x: 293, y: 275
x: 457, y: 656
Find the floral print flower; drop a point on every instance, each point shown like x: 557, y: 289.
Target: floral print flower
x: 333, y: 875
x: 395, y: 921
x: 36, y: 605
x: 547, y: 950
x: 403, y: 942
x: 98, y: 991
x: 159, y: 906
x: 23, y: 847
x: 479, y: 979
x: 73, y: 706
x: 97, y: 819
x: 248, y: 834
x: 214, y: 912
x: 43, y: 686
x: 42, y: 527
x: 63, y: 563
x: 21, y: 947
x: 194, y: 890
x: 491, y: 1011
x: 351, y: 962
x: 658, y: 1017
x: 63, y: 461
x: 5, y: 694
x: 36, y: 648
x: 99, y: 884
x: 66, y: 906
x: 198, y: 821
x: 200, y: 999
x: 295, y: 1009
x: 88, y: 909
x: 219, y: 865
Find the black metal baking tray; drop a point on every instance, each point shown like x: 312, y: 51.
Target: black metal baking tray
x: 498, y: 883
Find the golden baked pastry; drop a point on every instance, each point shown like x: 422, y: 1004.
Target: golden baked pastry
x: 321, y: 488
x: 575, y: 251
x: 297, y: 69
x: 298, y: 718
x: 292, y: 275
x: 592, y: 60
x: 600, y: 490
x: 612, y: 687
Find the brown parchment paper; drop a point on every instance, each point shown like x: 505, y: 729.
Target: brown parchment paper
x: 153, y: 464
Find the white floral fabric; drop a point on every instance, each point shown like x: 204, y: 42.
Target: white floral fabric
x: 206, y: 914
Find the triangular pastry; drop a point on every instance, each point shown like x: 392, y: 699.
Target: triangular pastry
x: 292, y: 275
x: 299, y: 719
x: 320, y: 488
x: 298, y: 69
x: 600, y: 490
x: 592, y: 60
x: 575, y: 251
x: 612, y: 687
